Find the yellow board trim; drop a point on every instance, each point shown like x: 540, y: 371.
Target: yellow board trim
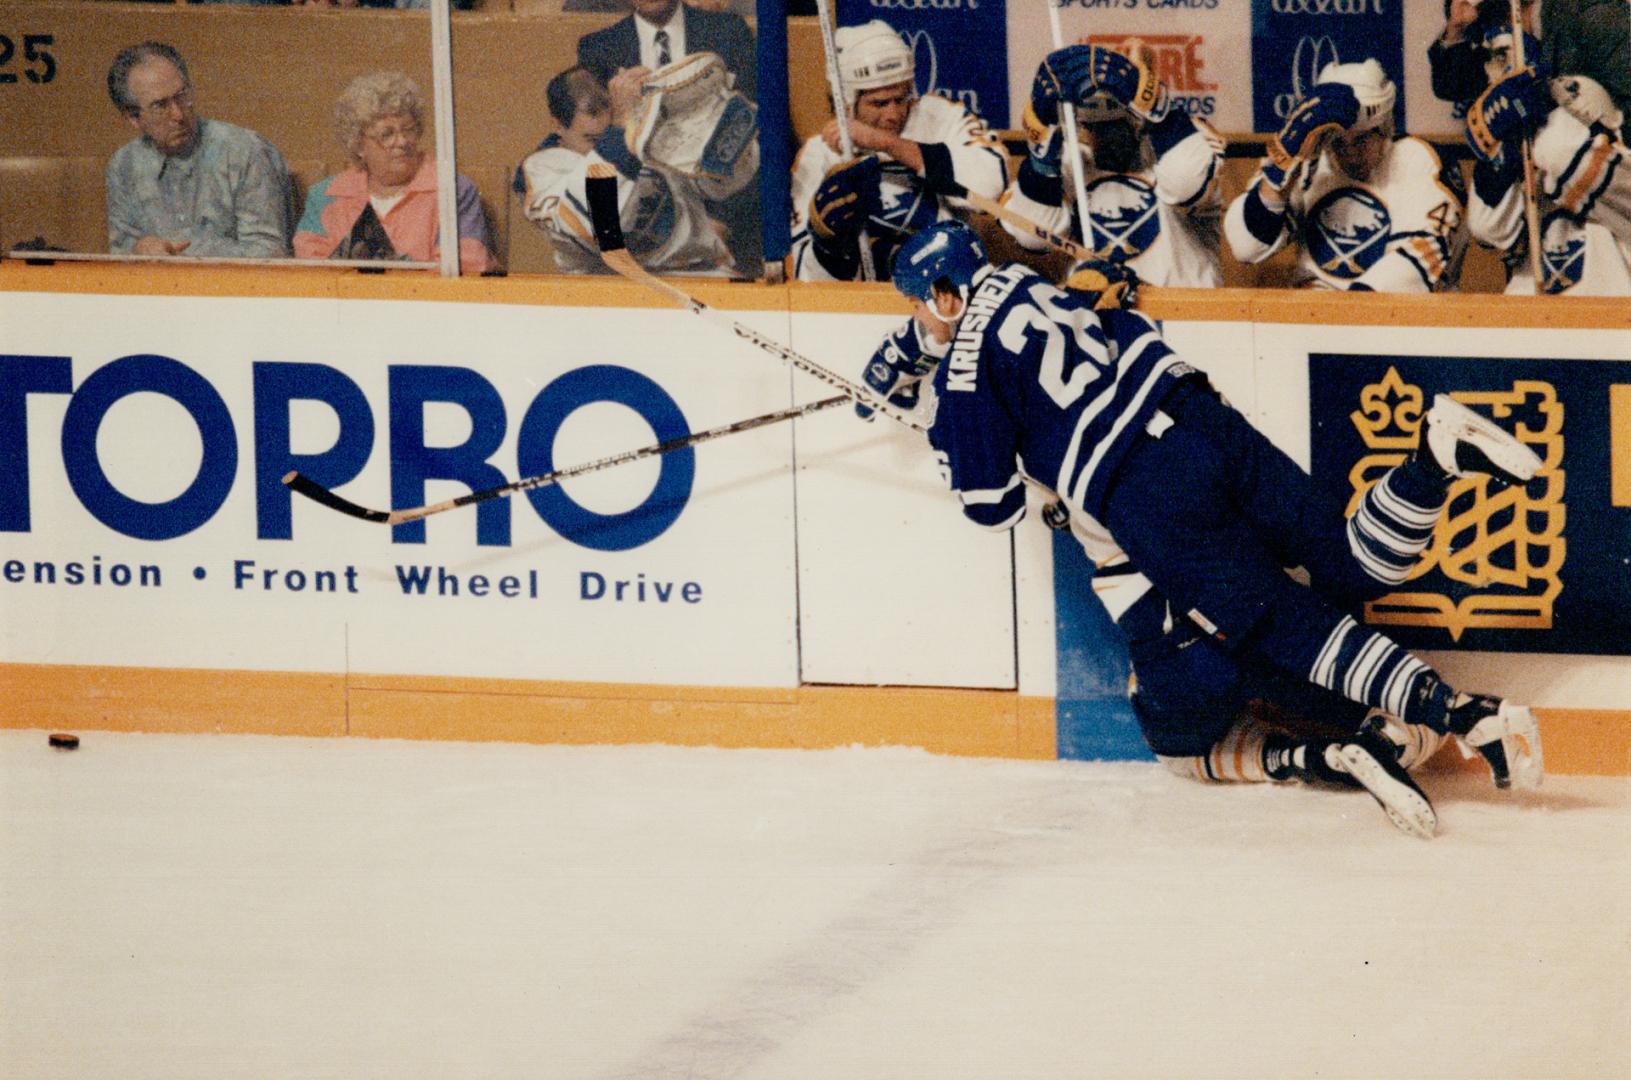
x: 976, y: 723
x: 981, y: 723
x: 1288, y: 306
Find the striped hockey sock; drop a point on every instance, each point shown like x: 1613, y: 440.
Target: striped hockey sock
x: 1395, y: 521
x: 1364, y: 666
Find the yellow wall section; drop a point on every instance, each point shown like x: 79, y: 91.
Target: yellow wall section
x: 981, y: 723
x: 986, y: 723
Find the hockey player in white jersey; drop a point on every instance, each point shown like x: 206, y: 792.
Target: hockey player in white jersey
x: 899, y: 138
x: 666, y: 223
x: 1582, y: 174
x: 1031, y: 383
x: 1367, y: 211
x: 1150, y: 171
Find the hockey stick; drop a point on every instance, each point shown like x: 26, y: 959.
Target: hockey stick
x: 1067, y: 116
x: 1531, y: 213
x: 946, y: 185
x: 602, y: 190
x: 311, y: 489
x: 840, y: 106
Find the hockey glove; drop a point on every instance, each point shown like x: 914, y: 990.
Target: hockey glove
x: 896, y: 370
x: 1507, y: 111
x: 1133, y: 84
x: 842, y: 202
x: 1112, y: 285
x: 1063, y: 76
x: 1039, y: 174
x: 1328, y: 109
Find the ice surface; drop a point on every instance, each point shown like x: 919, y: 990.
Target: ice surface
x: 221, y: 907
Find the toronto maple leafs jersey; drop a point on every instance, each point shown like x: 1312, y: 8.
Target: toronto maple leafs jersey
x: 1037, y: 384
x: 1583, y: 175
x: 1400, y: 231
x: 1162, y: 220
x: 666, y: 224
x: 978, y: 162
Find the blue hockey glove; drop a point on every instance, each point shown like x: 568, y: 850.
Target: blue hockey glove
x: 1508, y: 110
x: 1063, y: 74
x: 896, y: 370
x: 842, y: 202
x: 1112, y: 285
x: 1329, y: 108
x: 1130, y: 83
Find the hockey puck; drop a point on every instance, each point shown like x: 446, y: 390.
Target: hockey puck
x: 62, y: 741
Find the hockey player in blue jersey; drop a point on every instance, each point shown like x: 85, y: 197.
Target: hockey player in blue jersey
x: 1031, y: 383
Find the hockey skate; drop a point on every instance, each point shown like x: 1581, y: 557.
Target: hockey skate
x: 1505, y: 734
x: 1464, y: 444
x: 1367, y: 759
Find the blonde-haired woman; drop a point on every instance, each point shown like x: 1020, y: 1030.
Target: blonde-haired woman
x: 384, y: 205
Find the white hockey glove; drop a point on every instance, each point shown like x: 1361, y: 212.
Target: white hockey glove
x: 690, y: 120
x: 897, y: 369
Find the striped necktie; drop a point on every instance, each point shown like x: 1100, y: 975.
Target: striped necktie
x: 663, y: 56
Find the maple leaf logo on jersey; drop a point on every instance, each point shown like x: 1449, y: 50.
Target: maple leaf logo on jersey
x: 1347, y: 232
x: 1124, y: 219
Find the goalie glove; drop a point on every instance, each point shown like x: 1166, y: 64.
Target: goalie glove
x: 1112, y: 285
x: 691, y: 120
x: 897, y: 370
x: 846, y: 197
x: 1329, y: 108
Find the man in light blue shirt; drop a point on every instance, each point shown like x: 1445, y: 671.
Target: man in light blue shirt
x: 189, y: 186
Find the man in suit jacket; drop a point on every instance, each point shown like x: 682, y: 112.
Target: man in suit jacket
x: 659, y: 28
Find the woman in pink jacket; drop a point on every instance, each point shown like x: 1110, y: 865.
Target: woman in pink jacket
x: 384, y: 205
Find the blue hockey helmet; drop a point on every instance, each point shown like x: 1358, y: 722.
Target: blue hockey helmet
x: 946, y: 253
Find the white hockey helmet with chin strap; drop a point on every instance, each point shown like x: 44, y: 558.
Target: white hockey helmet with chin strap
x: 1370, y: 84
x: 870, y: 56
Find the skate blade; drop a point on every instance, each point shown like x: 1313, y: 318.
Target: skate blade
x: 1406, y: 807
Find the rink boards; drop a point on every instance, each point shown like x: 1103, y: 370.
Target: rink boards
x: 805, y: 584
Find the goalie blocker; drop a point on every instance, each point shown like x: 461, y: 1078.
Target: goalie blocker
x: 691, y: 120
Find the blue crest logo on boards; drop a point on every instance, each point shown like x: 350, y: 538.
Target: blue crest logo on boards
x: 1347, y: 232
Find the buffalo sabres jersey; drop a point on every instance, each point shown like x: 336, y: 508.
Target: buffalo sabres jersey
x: 666, y: 225
x: 1162, y: 220
x: 1583, y: 175
x: 1399, y: 231
x: 978, y: 163
x: 1036, y: 384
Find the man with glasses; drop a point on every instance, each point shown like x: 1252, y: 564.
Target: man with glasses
x: 187, y: 185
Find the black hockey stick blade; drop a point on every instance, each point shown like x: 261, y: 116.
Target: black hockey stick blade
x: 316, y: 492
x: 601, y: 188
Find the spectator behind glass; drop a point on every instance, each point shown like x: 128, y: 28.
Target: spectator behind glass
x: 188, y: 185
x: 665, y: 219
x: 658, y: 32
x: 384, y: 205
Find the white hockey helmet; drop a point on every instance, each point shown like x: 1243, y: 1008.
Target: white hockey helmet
x: 1375, y: 91
x: 870, y: 56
